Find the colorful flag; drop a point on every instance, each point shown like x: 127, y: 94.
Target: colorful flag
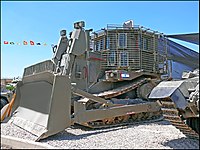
x: 32, y: 43
x: 25, y: 43
x: 5, y: 42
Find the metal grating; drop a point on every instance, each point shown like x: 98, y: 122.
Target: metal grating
x: 47, y: 65
x: 135, y: 48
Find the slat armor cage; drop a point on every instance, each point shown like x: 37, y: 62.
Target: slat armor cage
x: 131, y: 48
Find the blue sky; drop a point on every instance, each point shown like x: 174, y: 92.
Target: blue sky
x: 42, y: 22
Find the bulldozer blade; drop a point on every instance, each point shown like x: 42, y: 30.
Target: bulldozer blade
x: 177, y: 91
x: 43, y: 104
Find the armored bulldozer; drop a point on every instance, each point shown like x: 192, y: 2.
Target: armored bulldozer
x: 96, y: 79
x: 180, y: 102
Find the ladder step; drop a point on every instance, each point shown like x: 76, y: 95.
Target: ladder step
x: 170, y: 111
x: 168, y: 117
x: 168, y: 104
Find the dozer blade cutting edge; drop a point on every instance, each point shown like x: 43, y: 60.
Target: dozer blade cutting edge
x: 42, y: 105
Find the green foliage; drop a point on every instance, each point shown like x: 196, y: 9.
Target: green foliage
x: 10, y: 87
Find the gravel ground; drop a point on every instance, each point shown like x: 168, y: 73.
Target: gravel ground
x: 157, y: 135
x: 6, y: 147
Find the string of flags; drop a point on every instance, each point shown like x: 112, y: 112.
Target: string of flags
x: 25, y: 43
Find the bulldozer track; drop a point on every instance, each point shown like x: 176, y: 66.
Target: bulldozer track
x: 129, y: 118
x: 125, y: 120
x: 171, y: 114
x: 121, y: 90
